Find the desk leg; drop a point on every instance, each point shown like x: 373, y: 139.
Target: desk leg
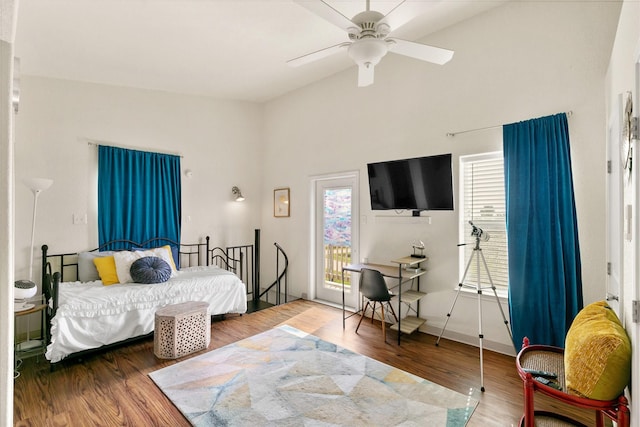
x: 399, y: 301
x: 343, y: 321
x: 417, y: 302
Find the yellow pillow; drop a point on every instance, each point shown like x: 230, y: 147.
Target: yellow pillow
x: 597, y: 355
x: 106, y: 267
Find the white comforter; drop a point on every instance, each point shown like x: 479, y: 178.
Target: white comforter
x: 91, y: 315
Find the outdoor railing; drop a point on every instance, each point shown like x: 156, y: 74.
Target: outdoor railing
x: 336, y: 257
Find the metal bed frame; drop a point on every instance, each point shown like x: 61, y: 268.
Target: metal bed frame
x: 242, y: 260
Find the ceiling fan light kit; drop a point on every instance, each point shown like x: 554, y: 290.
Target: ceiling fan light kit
x: 367, y: 51
x: 368, y: 32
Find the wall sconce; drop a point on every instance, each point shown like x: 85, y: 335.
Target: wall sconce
x: 236, y: 192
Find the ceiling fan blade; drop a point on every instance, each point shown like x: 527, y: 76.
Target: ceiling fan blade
x: 365, y: 75
x: 404, y: 12
x: 318, y: 54
x: 328, y: 13
x: 420, y: 51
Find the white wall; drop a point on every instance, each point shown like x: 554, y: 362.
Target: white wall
x: 220, y: 142
x: 518, y: 61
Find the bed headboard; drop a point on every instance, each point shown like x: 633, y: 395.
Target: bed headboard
x: 190, y: 254
x: 243, y: 260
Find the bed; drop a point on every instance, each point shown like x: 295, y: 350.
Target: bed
x: 88, y: 313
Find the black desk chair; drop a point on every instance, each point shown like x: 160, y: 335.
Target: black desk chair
x: 374, y: 289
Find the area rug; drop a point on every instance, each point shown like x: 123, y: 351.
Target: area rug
x: 286, y: 377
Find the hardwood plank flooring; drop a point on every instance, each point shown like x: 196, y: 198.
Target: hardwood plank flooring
x: 112, y: 388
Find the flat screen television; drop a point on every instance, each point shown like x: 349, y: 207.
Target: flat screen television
x: 421, y: 183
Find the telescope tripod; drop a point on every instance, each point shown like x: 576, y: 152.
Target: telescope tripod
x: 478, y: 256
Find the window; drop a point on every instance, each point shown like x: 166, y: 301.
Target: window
x: 482, y: 201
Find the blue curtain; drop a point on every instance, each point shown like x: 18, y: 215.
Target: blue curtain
x: 138, y: 195
x: 545, y: 283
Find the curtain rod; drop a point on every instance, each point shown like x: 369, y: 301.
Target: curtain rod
x: 452, y: 134
x: 108, y: 144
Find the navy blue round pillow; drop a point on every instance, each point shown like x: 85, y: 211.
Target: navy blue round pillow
x: 150, y: 269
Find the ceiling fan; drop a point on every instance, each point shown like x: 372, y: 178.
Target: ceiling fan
x: 369, y: 37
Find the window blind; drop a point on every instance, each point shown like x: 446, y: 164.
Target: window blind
x: 483, y: 203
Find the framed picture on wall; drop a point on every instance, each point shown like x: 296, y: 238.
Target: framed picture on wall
x: 281, y: 202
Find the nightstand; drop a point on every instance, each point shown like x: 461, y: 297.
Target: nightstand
x: 30, y: 347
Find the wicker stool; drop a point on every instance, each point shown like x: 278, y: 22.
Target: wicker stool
x: 181, y: 329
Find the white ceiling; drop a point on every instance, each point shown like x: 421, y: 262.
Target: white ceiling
x: 229, y: 49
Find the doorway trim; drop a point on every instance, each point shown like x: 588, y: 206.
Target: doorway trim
x: 635, y: 256
x: 355, y: 223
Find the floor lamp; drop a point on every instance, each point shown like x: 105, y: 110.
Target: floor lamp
x: 25, y: 289
x: 37, y: 186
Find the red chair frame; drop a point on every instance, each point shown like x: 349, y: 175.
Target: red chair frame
x: 616, y: 409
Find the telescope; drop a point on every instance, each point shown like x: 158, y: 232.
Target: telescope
x: 479, y: 233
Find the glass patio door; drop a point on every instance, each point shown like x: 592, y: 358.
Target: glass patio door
x: 336, y: 234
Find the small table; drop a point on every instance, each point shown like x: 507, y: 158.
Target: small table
x: 393, y: 272
x: 38, y: 348
x: 181, y: 329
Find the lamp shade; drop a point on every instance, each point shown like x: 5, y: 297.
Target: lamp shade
x: 37, y: 184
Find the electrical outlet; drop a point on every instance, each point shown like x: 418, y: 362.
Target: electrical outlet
x: 79, y: 218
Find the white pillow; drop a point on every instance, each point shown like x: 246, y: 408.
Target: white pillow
x: 124, y: 259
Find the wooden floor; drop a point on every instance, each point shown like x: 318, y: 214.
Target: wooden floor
x: 112, y: 388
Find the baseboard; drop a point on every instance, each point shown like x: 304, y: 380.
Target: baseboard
x: 498, y: 347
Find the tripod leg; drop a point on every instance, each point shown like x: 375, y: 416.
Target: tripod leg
x: 480, y: 335
x: 449, y: 314
x: 504, y: 319
x: 466, y: 269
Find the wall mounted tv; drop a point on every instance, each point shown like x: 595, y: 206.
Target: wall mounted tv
x: 421, y: 183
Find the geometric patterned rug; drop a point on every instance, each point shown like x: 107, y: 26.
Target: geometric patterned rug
x: 286, y: 377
